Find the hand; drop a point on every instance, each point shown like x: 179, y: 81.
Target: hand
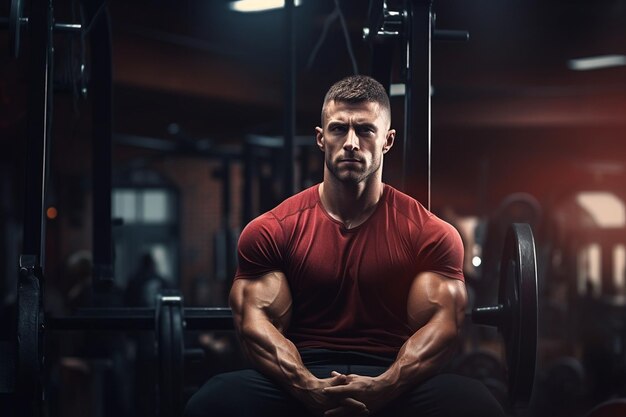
x: 319, y: 402
x: 364, y: 389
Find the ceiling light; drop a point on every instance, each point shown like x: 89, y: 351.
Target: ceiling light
x: 596, y: 62
x: 259, y: 5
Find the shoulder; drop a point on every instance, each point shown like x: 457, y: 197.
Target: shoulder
x: 270, y: 223
x: 416, y: 213
x: 302, y: 201
x: 406, y: 206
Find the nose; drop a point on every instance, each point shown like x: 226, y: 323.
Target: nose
x: 352, y: 141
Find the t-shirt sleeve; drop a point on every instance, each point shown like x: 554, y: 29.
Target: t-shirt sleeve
x: 258, y: 248
x: 440, y: 249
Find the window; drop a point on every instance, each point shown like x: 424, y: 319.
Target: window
x: 149, y: 226
x: 605, y: 208
x: 143, y: 205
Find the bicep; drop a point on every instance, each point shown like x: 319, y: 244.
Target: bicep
x: 267, y: 297
x: 435, y: 298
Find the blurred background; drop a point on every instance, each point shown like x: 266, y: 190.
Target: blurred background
x: 528, y: 124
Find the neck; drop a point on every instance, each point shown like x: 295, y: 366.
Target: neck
x: 351, y: 204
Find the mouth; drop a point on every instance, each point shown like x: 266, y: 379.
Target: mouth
x: 350, y: 160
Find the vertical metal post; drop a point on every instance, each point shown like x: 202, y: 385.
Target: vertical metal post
x: 227, y: 217
x: 248, y: 179
x: 32, y: 260
x: 101, y: 85
x: 290, y: 99
x: 39, y: 94
x: 416, y: 164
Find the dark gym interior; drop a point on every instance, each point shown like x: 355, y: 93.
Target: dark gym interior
x: 211, y: 123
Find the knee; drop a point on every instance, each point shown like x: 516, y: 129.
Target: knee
x: 449, y: 395
x: 212, y: 398
x: 471, y: 398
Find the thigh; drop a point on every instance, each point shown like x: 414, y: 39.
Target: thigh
x: 245, y: 393
x: 446, y: 395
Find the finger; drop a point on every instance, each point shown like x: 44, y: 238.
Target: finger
x: 338, y: 390
x: 338, y: 379
x: 356, y: 404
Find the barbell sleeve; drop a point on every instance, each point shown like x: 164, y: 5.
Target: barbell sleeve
x: 488, y: 316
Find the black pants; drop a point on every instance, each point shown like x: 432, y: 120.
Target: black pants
x: 248, y: 393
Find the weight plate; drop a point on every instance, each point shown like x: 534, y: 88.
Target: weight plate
x: 28, y: 367
x: 178, y: 357
x: 15, y: 25
x: 164, y: 357
x: 170, y: 353
x: 518, y: 295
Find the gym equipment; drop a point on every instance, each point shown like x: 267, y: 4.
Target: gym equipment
x: 168, y: 320
x: 413, y: 27
x: 515, y: 316
x: 16, y: 20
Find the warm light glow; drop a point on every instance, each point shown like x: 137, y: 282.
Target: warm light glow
x: 259, y: 5
x: 52, y: 213
x: 476, y: 261
x: 596, y: 62
x: 606, y: 209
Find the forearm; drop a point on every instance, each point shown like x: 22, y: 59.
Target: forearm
x: 421, y: 356
x: 275, y: 356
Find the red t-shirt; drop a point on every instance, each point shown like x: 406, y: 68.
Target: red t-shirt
x: 350, y: 286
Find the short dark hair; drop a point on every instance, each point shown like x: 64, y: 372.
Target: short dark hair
x: 357, y: 89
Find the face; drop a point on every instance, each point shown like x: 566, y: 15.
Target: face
x: 354, y: 137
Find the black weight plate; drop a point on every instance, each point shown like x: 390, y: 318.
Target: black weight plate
x: 15, y: 26
x: 164, y: 357
x: 170, y: 352
x: 28, y: 364
x: 518, y: 295
x: 178, y: 357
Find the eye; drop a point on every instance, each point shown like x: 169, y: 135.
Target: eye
x: 338, y: 129
x: 366, y: 130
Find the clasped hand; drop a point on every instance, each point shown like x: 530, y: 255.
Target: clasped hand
x: 349, y: 396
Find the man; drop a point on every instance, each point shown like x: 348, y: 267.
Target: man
x: 349, y: 296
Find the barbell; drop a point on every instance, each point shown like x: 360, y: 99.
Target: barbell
x: 515, y: 316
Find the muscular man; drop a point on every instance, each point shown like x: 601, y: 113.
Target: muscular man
x: 349, y: 296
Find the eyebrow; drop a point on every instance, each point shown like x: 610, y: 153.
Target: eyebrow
x: 357, y: 125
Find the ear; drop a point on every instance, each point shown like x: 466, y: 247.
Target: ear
x: 389, y: 139
x: 319, y: 138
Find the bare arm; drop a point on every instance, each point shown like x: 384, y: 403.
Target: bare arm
x: 261, y: 313
x: 436, y: 309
